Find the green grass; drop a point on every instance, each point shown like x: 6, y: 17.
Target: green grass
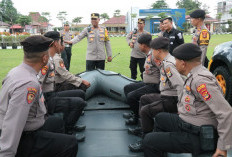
x: 120, y: 64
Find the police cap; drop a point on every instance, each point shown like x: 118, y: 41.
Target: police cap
x: 95, y: 16
x: 36, y: 43
x: 160, y: 43
x: 187, y: 51
x: 198, y: 14
x: 53, y: 35
x: 141, y: 21
x: 66, y: 23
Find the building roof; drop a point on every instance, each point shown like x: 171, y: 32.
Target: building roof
x: 16, y: 26
x: 116, y: 20
x: 4, y: 24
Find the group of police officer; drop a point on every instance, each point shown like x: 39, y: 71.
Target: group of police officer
x: 174, y: 81
x: 187, y: 113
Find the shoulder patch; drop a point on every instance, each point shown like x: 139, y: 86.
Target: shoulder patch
x: 168, y: 72
x: 204, y: 92
x: 31, y: 92
x: 44, y: 70
x: 62, y: 64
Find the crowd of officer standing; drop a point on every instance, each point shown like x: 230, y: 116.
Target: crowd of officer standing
x: 191, y: 114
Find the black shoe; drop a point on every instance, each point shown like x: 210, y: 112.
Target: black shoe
x: 136, y: 147
x: 136, y: 131
x: 80, y: 137
x: 128, y: 115
x: 79, y: 128
x: 132, y: 121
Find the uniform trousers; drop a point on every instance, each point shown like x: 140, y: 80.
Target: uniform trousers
x: 133, y: 66
x: 71, y: 103
x: 152, y: 104
x: 68, y: 86
x: 169, y: 136
x: 134, y: 91
x: 95, y: 64
x: 48, y: 141
x: 66, y: 56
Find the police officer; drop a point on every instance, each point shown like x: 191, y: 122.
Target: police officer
x: 23, y: 125
x: 201, y: 34
x: 171, y: 84
x: 67, y: 53
x: 150, y: 83
x: 137, y: 57
x: 98, y: 40
x: 202, y: 110
x: 161, y: 27
x: 70, y: 102
x: 175, y: 36
x: 64, y: 80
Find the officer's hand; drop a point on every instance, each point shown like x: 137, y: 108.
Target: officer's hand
x: 86, y: 83
x: 220, y: 153
x: 67, y: 42
x: 109, y: 59
x: 131, y: 45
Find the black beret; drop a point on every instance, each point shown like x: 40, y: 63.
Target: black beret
x: 168, y: 18
x: 161, y: 20
x: 36, y: 43
x: 141, y: 21
x: 53, y: 35
x: 187, y: 51
x: 198, y: 14
x: 160, y: 43
x: 95, y: 16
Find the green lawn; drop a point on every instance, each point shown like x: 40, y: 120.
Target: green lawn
x: 120, y: 64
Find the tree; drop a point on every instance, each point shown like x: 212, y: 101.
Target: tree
x: 162, y: 15
x: 177, y: 16
x: 8, y: 11
x: 24, y: 20
x: 104, y: 16
x: 47, y: 16
x: 149, y: 16
x: 62, y: 16
x: 160, y: 4
x: 117, y: 13
x: 219, y: 16
x: 77, y: 20
x: 189, y: 5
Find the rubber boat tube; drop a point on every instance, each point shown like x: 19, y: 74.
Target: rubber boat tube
x: 106, y: 82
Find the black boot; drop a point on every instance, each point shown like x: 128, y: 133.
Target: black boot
x: 79, y: 128
x: 128, y: 115
x: 136, y: 131
x: 136, y: 147
x: 132, y: 121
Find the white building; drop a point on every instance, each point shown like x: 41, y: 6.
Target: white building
x: 224, y: 7
x: 4, y: 27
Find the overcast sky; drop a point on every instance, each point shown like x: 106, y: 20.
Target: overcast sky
x: 83, y: 8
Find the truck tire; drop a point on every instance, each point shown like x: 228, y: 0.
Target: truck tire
x: 225, y: 80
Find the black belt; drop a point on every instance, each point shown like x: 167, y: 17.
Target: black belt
x: 193, y: 129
